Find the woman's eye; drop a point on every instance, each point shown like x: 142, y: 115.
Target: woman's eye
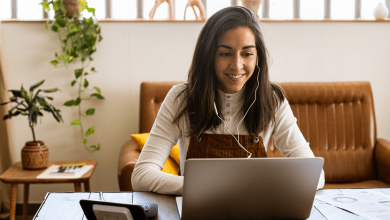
x: 224, y: 54
x: 248, y: 54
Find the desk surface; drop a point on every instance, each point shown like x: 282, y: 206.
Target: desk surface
x: 16, y: 173
x: 70, y: 208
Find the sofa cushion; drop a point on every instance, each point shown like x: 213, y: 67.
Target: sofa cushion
x: 171, y: 164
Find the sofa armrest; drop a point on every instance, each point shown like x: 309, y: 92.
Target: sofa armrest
x: 382, y: 157
x: 127, y: 159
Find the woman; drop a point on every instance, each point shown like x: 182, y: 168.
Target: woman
x: 228, y: 83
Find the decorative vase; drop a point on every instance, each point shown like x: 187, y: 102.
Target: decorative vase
x: 35, y: 155
x: 252, y: 5
x: 71, y: 6
x: 380, y: 12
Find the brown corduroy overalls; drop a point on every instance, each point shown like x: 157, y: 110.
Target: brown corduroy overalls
x: 225, y: 146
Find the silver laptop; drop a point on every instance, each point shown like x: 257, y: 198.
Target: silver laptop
x: 256, y: 188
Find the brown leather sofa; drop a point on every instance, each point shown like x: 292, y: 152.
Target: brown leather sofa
x: 336, y: 118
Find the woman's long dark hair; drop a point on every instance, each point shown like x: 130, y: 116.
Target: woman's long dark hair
x: 201, y: 90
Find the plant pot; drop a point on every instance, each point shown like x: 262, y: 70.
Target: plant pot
x: 252, y: 5
x: 71, y: 6
x: 35, y: 155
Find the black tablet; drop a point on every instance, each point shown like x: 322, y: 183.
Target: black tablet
x: 136, y: 210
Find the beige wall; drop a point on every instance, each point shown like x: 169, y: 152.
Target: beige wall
x: 134, y: 52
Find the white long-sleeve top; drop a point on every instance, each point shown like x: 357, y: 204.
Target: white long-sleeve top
x: 147, y: 175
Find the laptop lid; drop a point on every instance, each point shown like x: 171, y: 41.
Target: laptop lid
x: 256, y: 188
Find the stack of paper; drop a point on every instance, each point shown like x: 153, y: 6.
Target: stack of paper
x: 365, y: 203
x: 53, y: 168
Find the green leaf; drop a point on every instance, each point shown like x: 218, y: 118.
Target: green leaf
x: 84, y: 141
x: 54, y: 62
x: 47, y: 23
x: 90, y: 111
x: 41, y: 101
x: 100, y: 38
x: 97, y: 96
x: 90, y: 37
x: 86, y: 73
x: 61, y: 22
x: 55, y: 28
x: 36, y: 110
x: 93, y: 69
x: 71, y: 34
x: 25, y: 96
x: 4, y: 103
x: 50, y: 90
x: 16, y: 93
x: 75, y: 122
x: 69, y: 103
x: 89, y: 20
x: 73, y: 28
x: 95, y: 147
x: 56, y: 114
x: 73, y: 82
x: 36, y: 85
x: 50, y: 98
x: 92, y: 10
x: 86, y: 83
x: 82, y: 5
x: 44, y: 4
x: 98, y: 90
x: 78, y: 72
x: 77, y: 102
x: 90, y: 131
x: 64, y: 42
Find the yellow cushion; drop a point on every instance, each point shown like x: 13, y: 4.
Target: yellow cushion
x: 174, y: 156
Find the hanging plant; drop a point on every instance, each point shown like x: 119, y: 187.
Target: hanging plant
x: 78, y: 38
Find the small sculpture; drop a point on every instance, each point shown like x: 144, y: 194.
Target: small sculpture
x: 157, y: 4
x: 199, y: 4
x: 380, y: 12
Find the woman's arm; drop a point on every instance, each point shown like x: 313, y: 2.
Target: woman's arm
x: 147, y: 175
x: 289, y: 139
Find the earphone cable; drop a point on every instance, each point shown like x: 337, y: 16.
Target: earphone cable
x: 238, y: 131
x: 250, y: 154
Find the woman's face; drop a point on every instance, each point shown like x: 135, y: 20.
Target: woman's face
x: 235, y: 59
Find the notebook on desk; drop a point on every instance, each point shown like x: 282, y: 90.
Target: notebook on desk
x: 256, y: 188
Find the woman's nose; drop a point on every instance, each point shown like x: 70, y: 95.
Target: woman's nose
x: 237, y: 63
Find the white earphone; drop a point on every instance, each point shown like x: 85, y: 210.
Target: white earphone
x: 238, y: 131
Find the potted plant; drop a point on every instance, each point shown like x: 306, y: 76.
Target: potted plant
x: 35, y: 154
x: 78, y: 38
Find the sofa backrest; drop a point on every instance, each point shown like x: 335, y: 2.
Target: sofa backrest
x: 338, y: 121
x: 336, y: 118
x: 151, y: 97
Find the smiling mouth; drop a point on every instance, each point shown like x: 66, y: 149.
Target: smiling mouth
x: 234, y: 76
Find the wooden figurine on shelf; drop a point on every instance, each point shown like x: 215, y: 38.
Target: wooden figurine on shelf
x: 157, y: 4
x: 199, y: 4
